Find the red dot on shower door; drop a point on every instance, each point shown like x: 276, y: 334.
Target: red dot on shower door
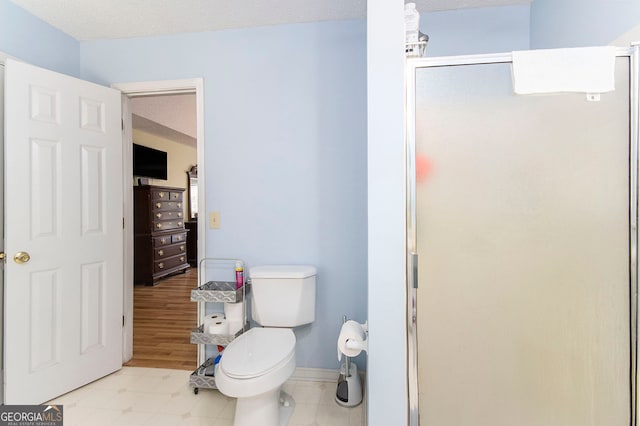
x: 423, y: 167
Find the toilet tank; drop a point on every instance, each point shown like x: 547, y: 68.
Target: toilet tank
x: 283, y: 295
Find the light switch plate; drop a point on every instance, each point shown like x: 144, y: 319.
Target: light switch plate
x: 214, y: 220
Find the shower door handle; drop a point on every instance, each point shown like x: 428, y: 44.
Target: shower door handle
x: 414, y: 269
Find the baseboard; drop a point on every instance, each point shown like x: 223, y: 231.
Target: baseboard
x: 315, y: 374
x: 319, y: 374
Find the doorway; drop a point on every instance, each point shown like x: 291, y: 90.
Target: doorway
x: 165, y: 126
x: 124, y: 353
x: 130, y: 92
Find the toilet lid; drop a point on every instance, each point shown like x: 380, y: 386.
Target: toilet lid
x: 258, y: 351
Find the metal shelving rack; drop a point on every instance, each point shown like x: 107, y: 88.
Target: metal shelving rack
x: 417, y: 49
x: 214, y: 291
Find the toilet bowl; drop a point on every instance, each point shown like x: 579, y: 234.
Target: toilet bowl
x: 254, y: 366
x: 253, y: 369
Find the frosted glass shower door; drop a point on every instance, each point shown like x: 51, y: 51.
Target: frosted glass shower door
x: 523, y: 241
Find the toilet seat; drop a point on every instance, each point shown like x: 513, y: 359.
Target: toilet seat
x: 258, y: 352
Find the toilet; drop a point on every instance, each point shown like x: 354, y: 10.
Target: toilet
x: 254, y: 366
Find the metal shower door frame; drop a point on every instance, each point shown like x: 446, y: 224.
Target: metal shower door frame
x: 411, y: 67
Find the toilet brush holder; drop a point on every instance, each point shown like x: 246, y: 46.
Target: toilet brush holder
x: 349, y: 390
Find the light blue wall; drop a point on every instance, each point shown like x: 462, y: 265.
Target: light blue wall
x: 478, y: 30
x: 577, y: 23
x: 285, y: 141
x: 387, y: 359
x: 27, y: 37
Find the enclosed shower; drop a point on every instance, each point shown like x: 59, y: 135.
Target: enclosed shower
x: 521, y: 247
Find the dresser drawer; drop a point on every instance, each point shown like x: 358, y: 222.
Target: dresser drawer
x: 166, y: 205
x: 166, y: 195
x: 169, y: 238
x: 168, y: 251
x: 166, y: 225
x: 166, y: 215
x: 169, y: 263
x: 179, y: 237
x: 160, y: 195
x: 164, y: 240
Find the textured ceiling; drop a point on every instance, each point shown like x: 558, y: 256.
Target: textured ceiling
x: 108, y: 19
x: 171, y: 117
x: 175, y: 111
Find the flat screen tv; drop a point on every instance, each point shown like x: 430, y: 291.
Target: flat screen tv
x: 149, y: 162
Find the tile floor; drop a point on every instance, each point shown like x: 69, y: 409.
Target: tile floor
x: 154, y: 396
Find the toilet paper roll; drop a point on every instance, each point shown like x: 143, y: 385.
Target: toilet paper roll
x: 352, y: 339
x: 233, y: 312
x: 218, y: 326
x: 214, y: 316
x: 211, y: 319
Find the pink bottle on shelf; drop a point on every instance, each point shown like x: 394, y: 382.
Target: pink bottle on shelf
x: 239, y: 274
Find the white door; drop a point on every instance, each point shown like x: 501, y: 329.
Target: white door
x: 63, y: 212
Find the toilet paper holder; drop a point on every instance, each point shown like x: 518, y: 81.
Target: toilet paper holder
x: 353, y: 338
x: 354, y: 344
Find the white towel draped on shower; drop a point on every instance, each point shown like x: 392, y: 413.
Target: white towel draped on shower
x: 583, y: 69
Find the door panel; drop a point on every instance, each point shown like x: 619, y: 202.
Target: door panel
x: 44, y: 321
x: 93, y: 307
x: 63, y: 177
x: 523, y: 239
x: 45, y: 169
x: 93, y: 189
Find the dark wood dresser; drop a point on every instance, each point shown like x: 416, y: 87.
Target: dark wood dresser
x: 160, y: 238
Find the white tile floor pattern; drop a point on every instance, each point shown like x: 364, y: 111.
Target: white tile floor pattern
x: 153, y: 396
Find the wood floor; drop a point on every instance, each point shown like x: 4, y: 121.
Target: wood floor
x: 163, y: 317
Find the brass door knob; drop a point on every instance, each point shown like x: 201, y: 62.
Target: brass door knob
x: 21, y: 257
